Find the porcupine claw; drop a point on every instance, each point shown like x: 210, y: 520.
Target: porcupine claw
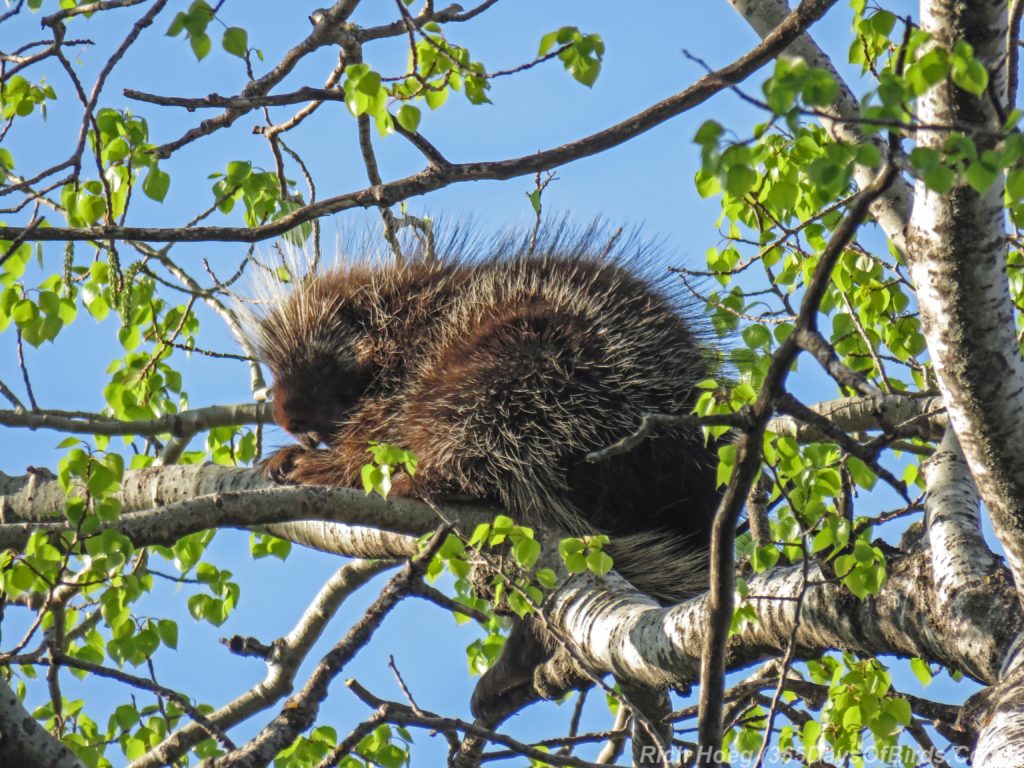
x: 281, y: 463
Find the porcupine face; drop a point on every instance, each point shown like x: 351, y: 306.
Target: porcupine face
x: 310, y: 402
x: 309, y: 339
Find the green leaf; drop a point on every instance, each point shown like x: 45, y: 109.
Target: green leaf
x: 156, y: 184
x: 881, y: 23
x: 547, y: 43
x: 235, y: 41
x: 900, y: 710
x: 709, y: 133
x: 24, y: 312
x: 535, y: 200
x: 930, y: 69
x: 968, y: 73
x: 740, y: 180
x: 125, y: 716
x: 939, y: 179
x: 599, y: 562
x: 168, y: 632
x: 822, y: 540
x: 237, y: 172
x: 369, y: 84
x: 547, y: 578
x: 526, y: 551
x: 177, y: 25
x: 867, y: 154
x: 819, y: 88
x: 575, y: 563
x: 1015, y: 183
x: 384, y: 122
x: 921, y: 671
x: 981, y: 177
x: 357, y: 102
x: 116, y: 150
x: 408, y: 117
x: 585, y: 71
x: 861, y: 473
x: 809, y: 734
x: 756, y: 336
x: 783, y: 196
x: 764, y: 558
x: 98, y: 308
x: 435, y: 98
x: 201, y: 45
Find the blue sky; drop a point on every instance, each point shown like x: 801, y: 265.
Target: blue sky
x: 647, y: 183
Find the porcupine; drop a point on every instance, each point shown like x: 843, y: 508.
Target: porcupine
x: 501, y: 374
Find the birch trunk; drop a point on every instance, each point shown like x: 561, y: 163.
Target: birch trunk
x: 957, y: 251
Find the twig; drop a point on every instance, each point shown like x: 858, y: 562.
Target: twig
x: 433, y: 178
x: 748, y: 462
x: 24, y: 372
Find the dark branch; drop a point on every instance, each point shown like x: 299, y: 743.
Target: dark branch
x: 433, y: 178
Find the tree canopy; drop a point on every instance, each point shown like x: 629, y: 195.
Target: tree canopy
x: 855, y: 184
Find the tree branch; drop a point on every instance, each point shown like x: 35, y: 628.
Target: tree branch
x: 748, y: 463
x: 434, y: 177
x: 957, y: 249
x: 289, y: 652
x: 891, y: 210
x: 23, y: 741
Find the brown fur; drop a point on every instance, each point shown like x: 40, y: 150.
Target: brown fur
x: 501, y: 375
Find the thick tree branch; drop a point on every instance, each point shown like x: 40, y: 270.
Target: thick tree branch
x: 626, y: 633
x: 23, y: 741
x: 960, y: 559
x: 163, y: 504
x: 958, y: 256
x: 894, y: 415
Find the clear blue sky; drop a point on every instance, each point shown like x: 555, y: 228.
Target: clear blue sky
x: 646, y: 183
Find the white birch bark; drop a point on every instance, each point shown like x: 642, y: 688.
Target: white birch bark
x: 163, y: 504
x: 620, y: 631
x: 957, y: 252
x: 24, y: 742
x: 960, y: 557
x: 1001, y: 734
x: 961, y: 567
x: 895, y: 415
x: 956, y: 247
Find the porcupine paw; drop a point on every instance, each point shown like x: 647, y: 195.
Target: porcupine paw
x: 281, y: 464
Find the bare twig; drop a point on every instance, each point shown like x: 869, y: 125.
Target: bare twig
x: 433, y: 178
